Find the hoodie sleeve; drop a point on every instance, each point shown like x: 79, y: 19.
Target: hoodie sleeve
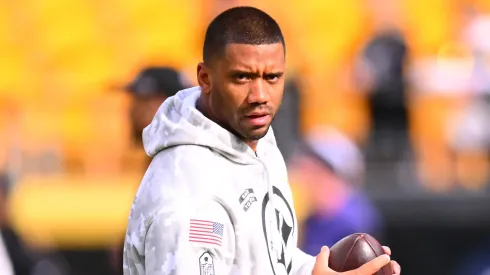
x: 190, y: 241
x: 303, y: 263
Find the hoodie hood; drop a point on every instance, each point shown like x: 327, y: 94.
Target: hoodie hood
x: 178, y: 122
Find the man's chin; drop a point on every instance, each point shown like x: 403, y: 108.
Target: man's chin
x: 258, y: 134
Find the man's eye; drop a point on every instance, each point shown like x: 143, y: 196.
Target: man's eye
x: 272, y: 77
x: 241, y: 77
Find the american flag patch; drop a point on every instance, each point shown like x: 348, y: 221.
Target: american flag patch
x: 208, y: 232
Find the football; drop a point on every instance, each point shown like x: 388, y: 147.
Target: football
x: 355, y: 250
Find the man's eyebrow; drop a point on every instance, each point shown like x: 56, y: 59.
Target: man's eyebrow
x: 278, y: 73
x: 243, y: 72
x: 249, y: 73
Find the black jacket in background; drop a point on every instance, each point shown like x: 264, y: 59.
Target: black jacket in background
x: 22, y: 262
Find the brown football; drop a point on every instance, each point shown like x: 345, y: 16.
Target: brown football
x: 355, y: 250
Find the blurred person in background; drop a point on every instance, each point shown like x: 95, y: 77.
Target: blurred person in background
x: 15, y: 257
x: 476, y: 262
x: 469, y: 132
x: 468, y: 129
x: 148, y: 91
x: 326, y: 177
x: 381, y: 74
x: 286, y: 123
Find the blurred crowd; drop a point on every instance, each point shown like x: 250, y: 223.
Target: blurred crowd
x: 381, y: 96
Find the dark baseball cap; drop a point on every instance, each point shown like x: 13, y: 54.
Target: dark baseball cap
x: 164, y: 81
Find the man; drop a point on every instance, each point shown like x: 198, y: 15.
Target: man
x: 215, y: 198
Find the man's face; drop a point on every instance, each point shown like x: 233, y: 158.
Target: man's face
x: 143, y: 109
x: 245, y: 88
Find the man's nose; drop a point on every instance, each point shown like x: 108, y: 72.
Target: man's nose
x: 258, y: 93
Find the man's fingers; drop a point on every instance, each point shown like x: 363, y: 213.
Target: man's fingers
x: 324, y: 254
x: 397, y: 270
x: 387, y: 250
x: 371, y: 267
x: 321, y: 263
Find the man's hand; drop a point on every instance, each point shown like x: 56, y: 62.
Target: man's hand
x: 394, y: 265
x: 369, y: 268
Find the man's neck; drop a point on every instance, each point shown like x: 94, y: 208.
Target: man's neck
x: 200, y: 106
x: 253, y: 145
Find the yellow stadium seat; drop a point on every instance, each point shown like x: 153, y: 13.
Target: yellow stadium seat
x: 70, y: 45
x: 473, y: 170
x: 38, y: 128
x: 429, y: 24
x: 72, y: 212
x: 162, y: 31
x: 108, y: 145
x: 94, y: 135
x: 5, y: 136
x: 432, y: 104
x: 15, y: 79
x: 481, y: 5
x: 91, y: 135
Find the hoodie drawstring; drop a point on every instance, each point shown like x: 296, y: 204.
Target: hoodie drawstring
x: 271, y: 202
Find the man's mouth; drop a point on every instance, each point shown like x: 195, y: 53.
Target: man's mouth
x: 258, y: 118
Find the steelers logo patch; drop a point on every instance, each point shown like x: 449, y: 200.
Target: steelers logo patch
x: 279, y: 228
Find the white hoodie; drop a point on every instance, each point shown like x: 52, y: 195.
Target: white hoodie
x: 208, y: 204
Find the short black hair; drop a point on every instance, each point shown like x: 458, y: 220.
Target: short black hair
x: 241, y: 25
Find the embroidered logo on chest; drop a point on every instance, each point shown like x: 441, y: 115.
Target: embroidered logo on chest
x: 247, y: 198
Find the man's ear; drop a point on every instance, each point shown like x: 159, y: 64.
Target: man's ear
x: 203, y: 78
